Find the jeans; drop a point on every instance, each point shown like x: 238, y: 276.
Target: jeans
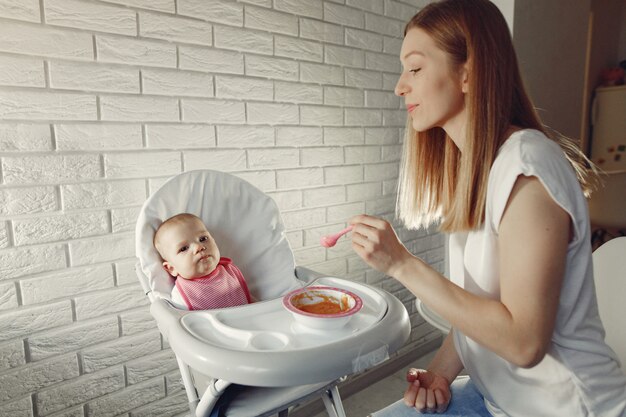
x: 466, y: 401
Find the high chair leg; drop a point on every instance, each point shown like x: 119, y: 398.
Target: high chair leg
x: 211, y: 395
x: 333, y: 404
x: 192, y: 395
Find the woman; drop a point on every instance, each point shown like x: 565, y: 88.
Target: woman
x: 520, y: 297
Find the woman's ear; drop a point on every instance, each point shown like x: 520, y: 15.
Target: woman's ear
x: 465, y: 78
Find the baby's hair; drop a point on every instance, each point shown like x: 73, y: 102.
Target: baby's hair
x: 177, y: 219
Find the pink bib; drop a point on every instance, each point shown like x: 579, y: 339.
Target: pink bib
x: 224, y: 287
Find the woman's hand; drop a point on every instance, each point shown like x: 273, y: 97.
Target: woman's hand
x: 375, y: 241
x: 427, y: 392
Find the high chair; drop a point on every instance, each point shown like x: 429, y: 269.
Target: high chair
x: 274, y: 363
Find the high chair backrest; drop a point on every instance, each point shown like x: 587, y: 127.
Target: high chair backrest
x: 609, y: 269
x: 244, y: 221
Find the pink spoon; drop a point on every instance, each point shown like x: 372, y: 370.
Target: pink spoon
x: 330, y: 240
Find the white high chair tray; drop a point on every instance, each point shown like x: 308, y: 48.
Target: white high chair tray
x: 261, y: 344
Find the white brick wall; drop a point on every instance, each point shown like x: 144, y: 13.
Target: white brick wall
x: 102, y: 100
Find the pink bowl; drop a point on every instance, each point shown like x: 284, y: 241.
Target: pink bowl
x: 318, y: 298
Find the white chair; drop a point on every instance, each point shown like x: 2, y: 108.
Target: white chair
x: 609, y: 269
x: 256, y: 345
x: 607, y: 208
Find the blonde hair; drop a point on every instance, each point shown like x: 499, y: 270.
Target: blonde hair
x: 178, y: 219
x: 437, y: 181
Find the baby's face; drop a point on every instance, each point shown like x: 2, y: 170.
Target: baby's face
x: 189, y: 250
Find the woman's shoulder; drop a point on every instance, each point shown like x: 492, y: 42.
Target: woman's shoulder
x: 527, y: 145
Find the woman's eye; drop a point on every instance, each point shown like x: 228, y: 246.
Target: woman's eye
x: 183, y: 249
x: 204, y: 238
x: 415, y: 71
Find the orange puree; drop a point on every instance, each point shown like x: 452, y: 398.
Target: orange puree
x: 323, y: 307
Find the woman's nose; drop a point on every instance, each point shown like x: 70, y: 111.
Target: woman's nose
x: 401, y: 87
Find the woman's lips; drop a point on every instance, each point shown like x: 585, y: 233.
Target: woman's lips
x: 410, y: 107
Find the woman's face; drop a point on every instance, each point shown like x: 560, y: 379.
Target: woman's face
x: 433, y: 91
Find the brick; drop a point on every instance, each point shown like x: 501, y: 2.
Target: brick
x: 50, y: 168
x: 243, y: 40
x: 363, y: 117
x: 218, y: 11
x: 341, y: 96
x: 321, y: 156
x: 25, y: 137
x: 399, y: 11
x: 27, y: 200
x: 362, y: 154
x: 127, y: 399
x: 26, y: 320
x: 139, y: 108
x: 381, y: 171
x: 101, y: 249
x: 337, y: 136
x: 24, y: 10
x: 298, y: 49
x: 324, y: 196
x: 221, y: 160
x: 382, y: 62
x: 245, y: 136
x: 93, y: 77
x: 390, y: 81
x: 344, y: 56
x: 21, y: 71
x: 295, y: 239
x: 343, y: 15
x: 45, y: 41
x: 304, y: 218
x: 109, y: 136
x: 19, y: 408
x: 8, y: 296
x: 381, y: 206
x: 4, y: 235
x: 90, y: 16
x: 374, y: 6
x: 381, y: 136
x: 392, y: 45
x: 125, y: 272
x: 174, y: 382
x: 176, y: 83
x: 164, y: 136
x: 364, y: 39
x: 273, y: 114
x: 300, y: 178
x: 321, y: 115
x: 309, y: 256
x: 37, y: 105
x: 120, y: 350
x: 72, y: 338
x: 299, y: 136
x: 300, y: 7
x: 19, y: 262
x: 321, y: 31
x: 363, y: 78
x: 142, y: 164
x: 385, y: 25
x: 364, y: 192
x: 34, y: 377
x: 345, y: 174
x: 66, y: 284
x: 287, y: 200
x: 213, y: 111
x: 109, y: 301
x: 160, y: 5
x: 124, y: 219
x: 263, y: 180
x: 243, y: 88
x: 80, y: 390
x: 270, y: 21
x: 320, y: 73
x: 269, y: 67
x: 175, y: 404
x: 333, y: 268
x: 381, y: 99
x: 273, y: 158
x: 59, y: 227
x: 210, y: 60
x: 126, y: 50
x: 394, y: 118
x: 391, y: 153
x: 102, y: 194
x: 137, y: 320
x: 298, y: 92
x: 343, y: 212
x: 175, y: 28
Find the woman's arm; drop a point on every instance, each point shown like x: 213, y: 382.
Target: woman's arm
x: 533, y: 237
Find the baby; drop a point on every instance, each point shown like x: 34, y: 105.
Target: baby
x: 204, y: 280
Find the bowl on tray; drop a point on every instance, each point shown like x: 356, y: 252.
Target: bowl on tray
x: 322, y: 307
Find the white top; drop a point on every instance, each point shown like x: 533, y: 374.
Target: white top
x: 579, y: 375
